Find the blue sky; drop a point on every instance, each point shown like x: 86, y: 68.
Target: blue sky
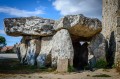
x: 53, y: 9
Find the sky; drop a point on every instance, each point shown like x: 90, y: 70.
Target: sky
x: 53, y: 9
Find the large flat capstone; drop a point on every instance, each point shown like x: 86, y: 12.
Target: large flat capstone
x: 28, y: 26
x: 77, y: 25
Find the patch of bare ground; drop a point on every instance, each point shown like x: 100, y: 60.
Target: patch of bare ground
x: 97, y: 74
x: 11, y: 69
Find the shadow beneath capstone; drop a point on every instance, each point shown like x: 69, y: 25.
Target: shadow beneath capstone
x: 80, y: 60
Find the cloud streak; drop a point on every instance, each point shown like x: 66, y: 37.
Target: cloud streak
x: 20, y: 13
x: 91, y: 8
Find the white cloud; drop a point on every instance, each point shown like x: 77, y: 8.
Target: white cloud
x: 2, y: 32
x: 91, y: 8
x: 20, y: 13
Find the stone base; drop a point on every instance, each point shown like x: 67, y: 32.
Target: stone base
x: 62, y: 65
x: 117, y: 63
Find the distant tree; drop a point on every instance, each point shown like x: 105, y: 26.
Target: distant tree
x: 2, y: 42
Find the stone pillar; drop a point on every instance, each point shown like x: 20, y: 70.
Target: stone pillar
x: 110, y: 13
x: 21, y: 50
x: 62, y: 50
x: 117, y: 55
x: 44, y: 57
x: 34, y: 47
x: 97, y: 47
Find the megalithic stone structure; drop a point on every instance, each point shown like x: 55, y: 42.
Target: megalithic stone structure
x: 50, y: 43
x: 111, y: 30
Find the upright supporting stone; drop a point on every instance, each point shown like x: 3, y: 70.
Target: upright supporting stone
x: 44, y: 57
x: 33, y: 51
x: 62, y: 49
x: 21, y: 50
x: 97, y: 47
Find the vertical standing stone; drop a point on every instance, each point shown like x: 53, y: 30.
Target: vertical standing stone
x: 62, y: 49
x: 111, y: 10
x: 33, y: 51
x: 21, y: 50
x: 97, y: 47
x: 17, y: 51
x: 117, y: 55
x: 44, y: 57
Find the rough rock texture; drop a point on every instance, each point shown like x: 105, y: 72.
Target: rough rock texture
x: 118, y: 36
x: 44, y: 58
x: 48, y: 43
x: 41, y: 61
x: 62, y: 65
x: 111, y: 10
x: 28, y: 26
x: 117, y: 55
x: 79, y: 25
x: 16, y: 49
x: 21, y: 50
x: 76, y: 24
x: 97, y: 47
x: 109, y: 19
x: 34, y: 47
x: 62, y: 47
x: 118, y: 63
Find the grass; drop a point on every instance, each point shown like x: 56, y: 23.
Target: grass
x: 101, y: 63
x: 101, y: 75
x: 71, y: 69
x: 13, y: 66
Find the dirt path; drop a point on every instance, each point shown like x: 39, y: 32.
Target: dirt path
x: 74, y: 75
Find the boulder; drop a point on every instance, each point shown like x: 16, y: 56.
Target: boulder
x: 97, y: 47
x: 29, y: 26
x: 44, y: 57
x: 79, y: 25
x: 21, y: 50
x: 62, y: 47
x: 34, y: 47
x: 41, y: 59
x: 16, y: 49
